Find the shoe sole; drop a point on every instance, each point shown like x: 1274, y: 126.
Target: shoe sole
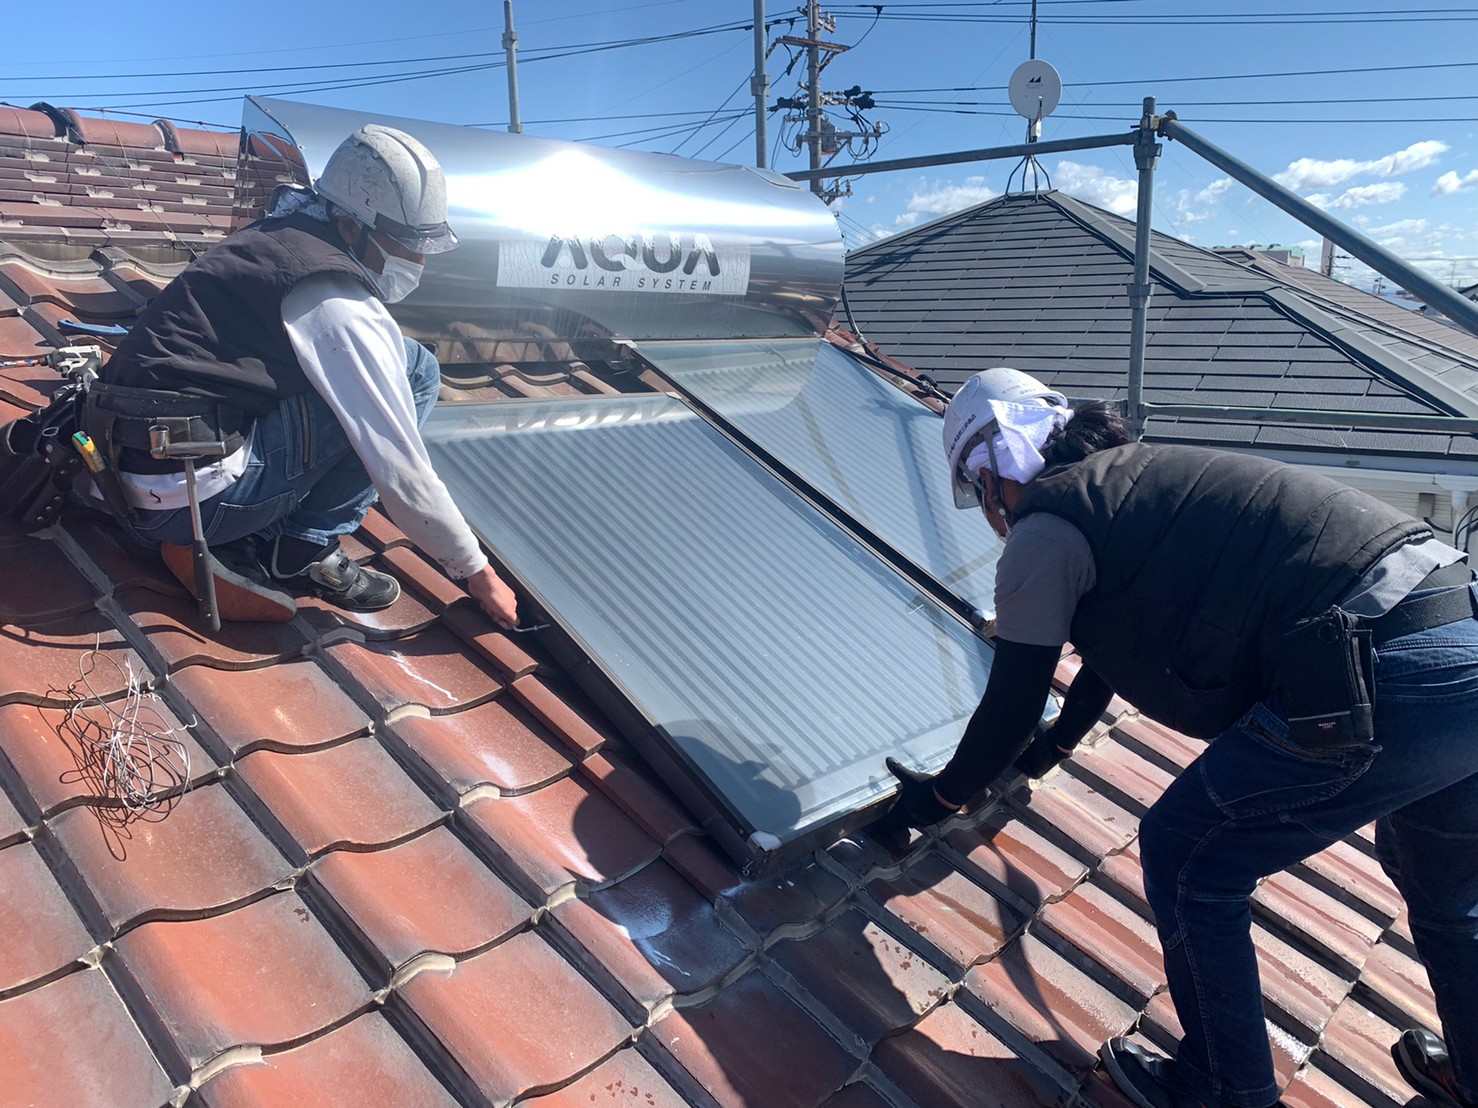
x: 1417, y: 1078
x: 238, y: 598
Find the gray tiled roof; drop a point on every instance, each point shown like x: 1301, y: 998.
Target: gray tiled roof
x: 1039, y: 282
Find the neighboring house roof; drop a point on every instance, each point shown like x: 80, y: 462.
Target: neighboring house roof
x: 1039, y: 282
x: 415, y: 866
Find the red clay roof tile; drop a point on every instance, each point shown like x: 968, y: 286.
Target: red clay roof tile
x: 654, y: 934
x: 350, y: 795
x: 121, y: 562
x: 557, y: 708
x: 498, y: 743
x: 1069, y: 811
x: 40, y: 931
x: 951, y: 1059
x: 39, y: 663
x: 699, y: 860
x: 428, y: 895
x: 290, y: 706
x: 175, y: 629
x: 1318, y: 918
x: 518, y: 1019
x: 1114, y: 936
x: 1115, y: 771
x: 72, y: 1042
x: 202, y: 856
x: 625, y: 1080
x: 562, y: 834
x: 964, y: 921
x: 1306, y: 992
x: 499, y: 647
x: 752, y: 1044
x: 1013, y: 856
x: 1051, y: 1001
x: 406, y: 616
x: 1400, y: 981
x: 426, y: 668
x: 360, y: 1064
x: 787, y: 899
x: 650, y: 805
x: 873, y: 982
x: 56, y: 769
x: 1357, y: 1045
x: 265, y: 974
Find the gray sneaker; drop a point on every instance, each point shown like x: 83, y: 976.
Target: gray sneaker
x: 337, y: 578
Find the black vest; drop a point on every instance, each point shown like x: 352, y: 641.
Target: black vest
x: 1204, y: 559
x: 216, y: 329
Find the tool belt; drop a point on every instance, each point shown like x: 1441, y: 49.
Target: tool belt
x: 122, y: 429
x: 38, y: 461
x: 1324, y: 674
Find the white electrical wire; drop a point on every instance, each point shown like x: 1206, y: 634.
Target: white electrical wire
x: 128, y: 750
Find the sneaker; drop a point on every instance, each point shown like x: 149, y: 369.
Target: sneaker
x: 1145, y: 1078
x: 1422, y: 1059
x: 334, y: 576
x: 244, y: 592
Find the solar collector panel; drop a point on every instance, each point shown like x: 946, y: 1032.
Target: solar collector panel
x: 777, y: 657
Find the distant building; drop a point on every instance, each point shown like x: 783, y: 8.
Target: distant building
x: 1287, y: 255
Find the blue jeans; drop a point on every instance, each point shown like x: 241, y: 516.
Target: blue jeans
x: 1254, y: 804
x: 302, y: 478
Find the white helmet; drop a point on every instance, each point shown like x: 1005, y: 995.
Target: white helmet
x: 969, y: 417
x: 390, y: 182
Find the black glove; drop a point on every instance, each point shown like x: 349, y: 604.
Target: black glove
x: 1041, y: 754
x: 915, y: 805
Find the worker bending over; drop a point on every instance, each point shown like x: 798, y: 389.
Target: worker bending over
x: 276, y: 343
x: 1326, y: 642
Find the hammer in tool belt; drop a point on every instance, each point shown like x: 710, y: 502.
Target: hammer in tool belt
x: 169, y: 438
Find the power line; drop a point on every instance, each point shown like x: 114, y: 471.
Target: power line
x: 943, y: 110
x: 1142, y: 81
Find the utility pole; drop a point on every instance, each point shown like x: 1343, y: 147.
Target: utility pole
x: 760, y: 85
x: 821, y: 138
x: 813, y: 89
x: 510, y: 51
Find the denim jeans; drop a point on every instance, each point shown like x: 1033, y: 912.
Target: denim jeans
x: 1254, y: 804
x: 302, y: 478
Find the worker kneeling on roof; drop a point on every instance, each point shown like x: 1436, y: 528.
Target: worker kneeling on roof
x: 281, y: 333
x: 1326, y: 642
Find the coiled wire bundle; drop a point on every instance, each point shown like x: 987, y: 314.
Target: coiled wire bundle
x: 127, y: 751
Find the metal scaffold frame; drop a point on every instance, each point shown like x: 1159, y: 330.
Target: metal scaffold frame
x: 1143, y: 138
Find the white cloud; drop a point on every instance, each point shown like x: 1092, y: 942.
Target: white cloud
x: 1385, y: 192
x: 936, y: 200
x: 1401, y: 227
x: 1214, y: 190
x: 1097, y: 186
x: 1450, y: 182
x: 1315, y: 173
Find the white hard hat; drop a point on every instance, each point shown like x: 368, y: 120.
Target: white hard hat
x: 389, y: 181
x: 969, y: 417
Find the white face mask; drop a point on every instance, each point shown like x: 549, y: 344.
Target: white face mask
x: 398, y: 279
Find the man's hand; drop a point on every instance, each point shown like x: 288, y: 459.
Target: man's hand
x: 496, y: 598
x: 1042, y: 753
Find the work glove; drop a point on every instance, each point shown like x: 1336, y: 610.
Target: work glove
x: 914, y: 806
x: 1042, y: 753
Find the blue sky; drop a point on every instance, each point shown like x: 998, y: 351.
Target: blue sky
x: 1392, y: 151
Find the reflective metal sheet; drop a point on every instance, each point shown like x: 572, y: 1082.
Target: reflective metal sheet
x: 872, y: 451
x: 570, y: 241
x: 777, y: 659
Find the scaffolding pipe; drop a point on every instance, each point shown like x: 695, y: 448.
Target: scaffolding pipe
x: 1146, y: 155
x: 1460, y: 310
x: 990, y: 153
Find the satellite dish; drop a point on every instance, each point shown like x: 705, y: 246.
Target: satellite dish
x: 1035, y: 90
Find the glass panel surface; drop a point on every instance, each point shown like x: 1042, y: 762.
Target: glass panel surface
x: 874, y: 451
x: 775, y: 653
